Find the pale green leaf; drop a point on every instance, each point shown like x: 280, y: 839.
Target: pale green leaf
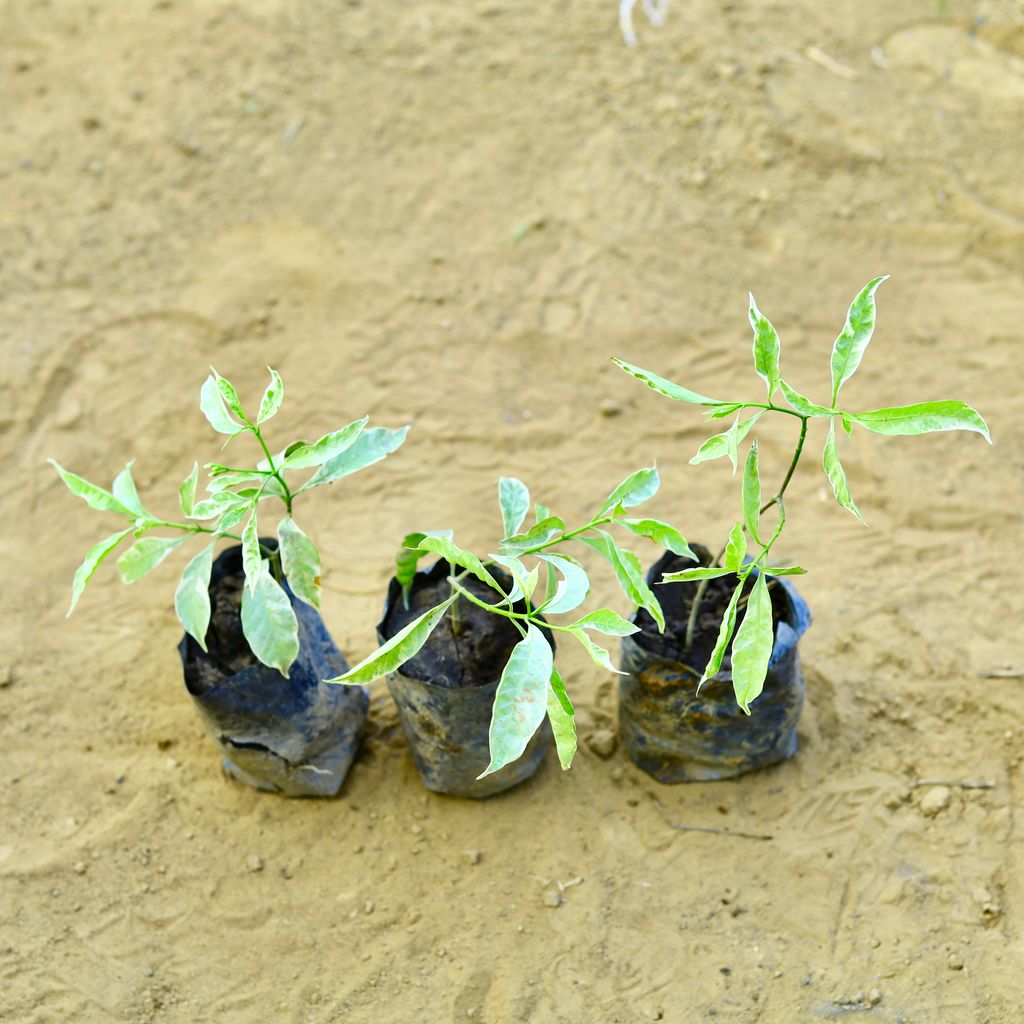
x: 94, y: 496
x: 537, y: 536
x: 563, y: 723
x: 514, y: 499
x: 720, y: 412
x: 212, y: 405
x: 572, y: 588
x: 784, y: 570
x: 692, y: 575
x: 637, y: 488
x: 450, y: 551
x: 732, y: 443
x: 847, y: 422
x: 541, y: 512
x: 599, y: 655
x: 269, y: 623
x: 923, y: 418
x: 216, y: 505
x: 520, y: 703
x: 125, y: 492
x: 187, y: 491
x: 766, y: 348
x: 524, y: 582
x: 252, y: 478
x: 665, y: 387
x: 398, y: 650
x: 752, y: 492
x: 736, y: 549
x: 836, y: 474
x: 192, y: 598
x: 803, y: 405
x: 725, y: 631
x: 92, y: 561
x: 272, y: 397
x: 252, y: 556
x: 606, y: 621
x: 661, y: 533
x: 145, y: 555
x: 629, y: 574
x: 230, y: 396
x: 718, y: 445
x: 232, y: 518
x: 328, y: 447
x: 300, y: 561
x: 408, y: 558
x: 371, y: 446
x: 853, y: 340
x: 752, y: 648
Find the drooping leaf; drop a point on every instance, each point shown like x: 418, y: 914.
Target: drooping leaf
x: 693, y: 575
x: 629, y: 574
x: 725, y: 631
x: 300, y: 561
x: 192, y: 598
x: 572, y: 588
x: 328, y: 447
x: 536, y: 537
x: 718, y: 445
x: 736, y: 549
x: 766, y: 348
x: 637, y: 488
x: 92, y: 561
x: 212, y: 404
x: 599, y: 655
x: 272, y: 397
x: 752, y: 648
x: 752, y: 492
x: 721, y: 412
x: 398, y: 650
x: 849, y: 347
x: 562, y: 718
x: 125, y: 492
x: 451, y: 552
x: 145, y: 555
x: 514, y: 499
x: 802, y: 405
x: 836, y: 474
x: 408, y: 558
x: 187, y: 491
x: 923, y: 418
x: 606, y: 621
x: 520, y: 702
x: 371, y: 446
x: 661, y: 533
x: 732, y: 443
x: 524, y: 582
x: 847, y: 422
x: 665, y: 387
x: 94, y: 496
x: 252, y: 556
x: 269, y: 623
x: 784, y: 570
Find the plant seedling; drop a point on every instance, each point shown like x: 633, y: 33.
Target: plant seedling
x: 531, y: 686
x: 745, y: 554
x: 234, y: 498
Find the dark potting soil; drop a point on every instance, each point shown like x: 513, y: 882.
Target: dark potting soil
x: 473, y: 658
x: 676, y: 601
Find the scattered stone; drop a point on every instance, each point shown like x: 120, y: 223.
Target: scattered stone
x: 700, y: 177
x: 609, y: 407
x: 253, y: 863
x: 603, y: 743
x: 6, y: 676
x: 874, y: 997
x: 80, y: 867
x: 955, y: 962
x: 935, y: 800
x: 553, y: 898
x: 368, y: 907
x: 472, y: 856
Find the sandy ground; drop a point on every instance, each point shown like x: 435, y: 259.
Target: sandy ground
x: 450, y: 214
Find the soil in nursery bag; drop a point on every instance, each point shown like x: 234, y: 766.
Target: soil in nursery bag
x: 445, y: 693
x: 678, y: 735
x: 296, y: 736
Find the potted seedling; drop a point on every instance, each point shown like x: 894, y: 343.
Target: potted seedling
x: 255, y: 652
x: 468, y: 645
x: 734, y: 616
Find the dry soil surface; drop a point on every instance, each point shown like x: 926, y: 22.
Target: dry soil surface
x: 451, y: 214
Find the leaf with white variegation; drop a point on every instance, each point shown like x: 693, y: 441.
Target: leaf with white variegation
x: 94, y: 496
x: 520, y: 702
x: 408, y: 557
x: 661, y: 533
x: 300, y: 561
x: 371, y: 446
x: 187, y: 491
x: 269, y: 623
x: 853, y: 340
x: 92, y: 561
x: 252, y: 556
x: 923, y: 418
x: 145, y: 555
x: 752, y: 492
x: 736, y: 549
x: 212, y: 405
x: 562, y: 718
x: 230, y: 396
x: 637, y: 488
x: 629, y: 574
x: 803, y: 405
x: 732, y: 443
x: 524, y: 582
x: 752, y: 648
x: 537, y: 536
x: 718, y: 445
x: 514, y: 500
x: 725, y: 631
x: 606, y: 621
x: 599, y: 655
x: 272, y: 397
x: 836, y: 474
x: 192, y: 597
x: 328, y: 447
x: 766, y: 348
x: 693, y: 575
x: 125, y: 492
x: 451, y: 552
x: 665, y: 387
x: 784, y: 570
x: 572, y: 588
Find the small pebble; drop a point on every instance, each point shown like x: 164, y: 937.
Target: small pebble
x: 609, y: 407
x: 603, y: 743
x: 253, y: 863
x: 472, y: 856
x: 955, y: 962
x: 80, y: 867
x: 553, y: 898
x: 368, y: 907
x: 874, y: 997
x: 935, y: 800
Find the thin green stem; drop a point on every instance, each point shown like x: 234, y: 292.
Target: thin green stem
x: 497, y: 610
x: 274, y: 472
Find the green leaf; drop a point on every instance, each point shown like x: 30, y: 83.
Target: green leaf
x: 923, y: 418
x: 124, y: 491
x: 836, y: 474
x: 725, y: 631
x: 562, y: 718
x: 847, y: 422
x: 212, y: 405
x: 232, y: 518
x: 328, y: 447
x: 732, y: 443
x: 536, y: 537
x: 766, y: 348
x: 230, y: 396
x: 692, y: 575
x: 520, y: 703
x: 451, y: 552
x: 736, y: 549
x: 752, y: 492
x: 269, y: 623
x: 192, y: 598
x: 784, y: 570
x: 94, y: 496
x: 398, y: 650
x: 252, y: 556
x: 629, y: 574
x: 514, y: 499
x: 802, y: 405
x: 720, y: 412
x: 187, y: 491
x: 541, y: 512
x: 272, y: 397
x: 92, y: 561
x: 665, y: 387
x: 717, y: 446
x: 249, y: 477
x: 217, y: 505
x: 371, y: 446
x: 599, y: 655
x: 661, y: 533
x: 300, y: 561
x: 145, y: 555
x: 849, y: 347
x: 752, y: 648
x: 524, y: 583
x: 573, y: 585
x: 408, y: 558
x: 606, y: 621
x: 637, y: 488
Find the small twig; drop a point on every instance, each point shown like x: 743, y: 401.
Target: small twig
x: 720, y: 831
x: 1002, y: 673
x: 822, y: 59
x: 959, y: 784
